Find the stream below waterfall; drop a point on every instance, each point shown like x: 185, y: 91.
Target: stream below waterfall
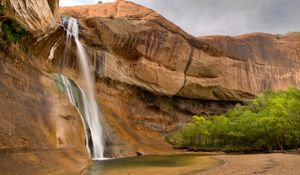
x: 181, y: 164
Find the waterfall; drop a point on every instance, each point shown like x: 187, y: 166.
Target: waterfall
x: 90, y: 110
x: 75, y: 95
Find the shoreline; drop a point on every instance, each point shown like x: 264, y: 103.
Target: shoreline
x: 246, y: 164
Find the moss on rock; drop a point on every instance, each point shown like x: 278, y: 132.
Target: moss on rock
x: 12, y: 31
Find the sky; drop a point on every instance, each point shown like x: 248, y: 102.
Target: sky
x: 223, y: 17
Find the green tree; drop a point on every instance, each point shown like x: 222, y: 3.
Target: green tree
x: 272, y: 121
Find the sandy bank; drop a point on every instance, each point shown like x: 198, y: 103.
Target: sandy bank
x: 269, y: 164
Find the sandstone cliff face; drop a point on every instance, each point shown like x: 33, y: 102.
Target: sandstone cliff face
x: 151, y: 78
x: 40, y: 131
x: 144, y: 49
x: 269, y: 61
x: 177, y: 74
x: 156, y: 55
x: 37, y: 17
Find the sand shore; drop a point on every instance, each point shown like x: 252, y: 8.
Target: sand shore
x: 268, y: 164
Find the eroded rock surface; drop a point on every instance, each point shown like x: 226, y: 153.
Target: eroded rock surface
x: 37, y: 17
x: 40, y: 131
x: 144, y: 49
x: 180, y: 75
x: 151, y: 77
x: 266, y: 61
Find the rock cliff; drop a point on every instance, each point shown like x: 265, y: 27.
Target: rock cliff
x: 148, y: 46
x: 151, y: 77
x: 270, y: 61
x: 40, y: 131
x: 37, y: 17
x: 159, y: 76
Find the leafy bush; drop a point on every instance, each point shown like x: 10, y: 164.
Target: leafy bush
x: 12, y: 31
x: 271, y: 121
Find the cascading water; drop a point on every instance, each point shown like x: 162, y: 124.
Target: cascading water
x: 90, y: 112
x: 75, y: 95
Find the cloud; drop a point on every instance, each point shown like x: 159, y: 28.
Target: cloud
x: 229, y: 17
x: 226, y: 17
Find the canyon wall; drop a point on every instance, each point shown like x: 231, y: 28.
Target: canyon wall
x: 156, y: 55
x: 272, y: 61
x: 40, y: 131
x: 37, y: 17
x: 151, y: 77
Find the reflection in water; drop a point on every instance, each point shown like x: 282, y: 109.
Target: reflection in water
x: 154, y: 165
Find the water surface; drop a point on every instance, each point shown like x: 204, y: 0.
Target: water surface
x: 154, y: 165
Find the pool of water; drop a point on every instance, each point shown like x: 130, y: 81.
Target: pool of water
x: 185, y: 164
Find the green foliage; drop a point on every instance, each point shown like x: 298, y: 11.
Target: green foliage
x: 12, y: 31
x: 271, y: 121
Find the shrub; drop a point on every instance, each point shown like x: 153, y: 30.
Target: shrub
x: 12, y: 31
x: 271, y: 121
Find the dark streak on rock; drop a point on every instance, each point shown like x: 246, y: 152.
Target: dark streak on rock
x: 190, y: 59
x: 160, y: 40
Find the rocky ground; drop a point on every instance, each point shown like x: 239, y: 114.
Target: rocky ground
x: 268, y: 164
x: 38, y: 162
